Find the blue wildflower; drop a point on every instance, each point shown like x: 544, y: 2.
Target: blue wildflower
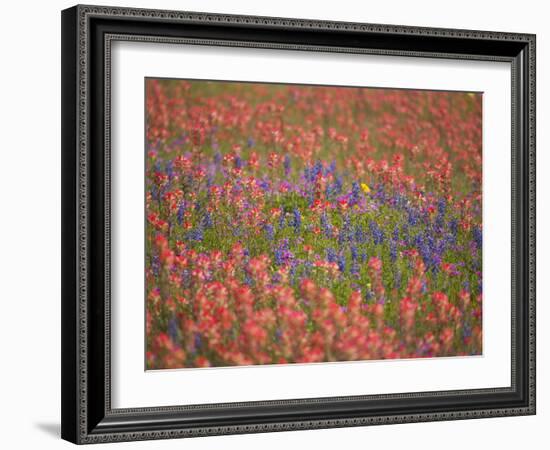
x: 197, y: 341
x: 355, y: 193
x: 278, y: 254
x: 354, y: 253
x: 377, y: 234
x: 206, y: 221
x: 155, y: 265
x: 393, y: 251
x: 158, y: 166
x: 478, y: 237
x: 181, y: 211
x: 195, y: 234
x: 331, y: 255
x: 238, y: 162
x: 173, y: 330
x: 341, y: 261
x: 286, y: 165
x: 397, y: 279
x: 185, y: 278
x: 268, y: 228
x: 297, y: 220
x: 170, y: 169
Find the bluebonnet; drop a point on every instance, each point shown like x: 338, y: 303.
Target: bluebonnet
x: 263, y: 184
x: 181, y: 211
x: 335, y: 188
x: 345, y: 232
x: 355, y: 192
x: 282, y: 253
x: 354, y: 252
x: 325, y: 225
x: 393, y: 251
x: 286, y: 164
x: 331, y: 255
x: 441, y: 206
x: 158, y: 165
x: 269, y: 231
x: 308, y: 265
x: 185, y: 278
x: 380, y: 194
x: 297, y: 220
x: 395, y: 235
x: 173, y: 330
x: 236, y: 189
x: 453, y: 228
x: 197, y: 341
x: 195, y: 234
x: 170, y: 169
x: 338, y: 183
x: 307, y: 173
x: 317, y: 170
x: 478, y: 237
x: 163, y: 190
x: 238, y: 162
x: 278, y: 254
x: 207, y: 220
x: 292, y: 271
x: 359, y: 234
x: 466, y: 331
x: 155, y: 265
x: 250, y: 142
x: 278, y: 334
x: 354, y: 269
x: 424, y: 249
x: 377, y: 234
x: 400, y: 201
x: 155, y: 193
x: 341, y: 261
x: 282, y: 221
x: 310, y: 197
x: 441, y: 209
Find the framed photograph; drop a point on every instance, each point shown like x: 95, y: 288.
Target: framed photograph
x: 279, y: 224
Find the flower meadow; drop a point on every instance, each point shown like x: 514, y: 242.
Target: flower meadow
x: 300, y: 224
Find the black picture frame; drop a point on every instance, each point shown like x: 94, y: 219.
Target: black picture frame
x: 87, y: 416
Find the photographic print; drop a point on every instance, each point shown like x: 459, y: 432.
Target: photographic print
x: 366, y: 218
x: 305, y: 224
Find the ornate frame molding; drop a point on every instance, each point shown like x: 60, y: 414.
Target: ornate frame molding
x: 77, y: 414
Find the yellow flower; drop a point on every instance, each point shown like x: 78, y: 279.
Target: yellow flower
x: 365, y: 187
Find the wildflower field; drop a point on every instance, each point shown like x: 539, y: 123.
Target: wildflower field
x: 298, y: 224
